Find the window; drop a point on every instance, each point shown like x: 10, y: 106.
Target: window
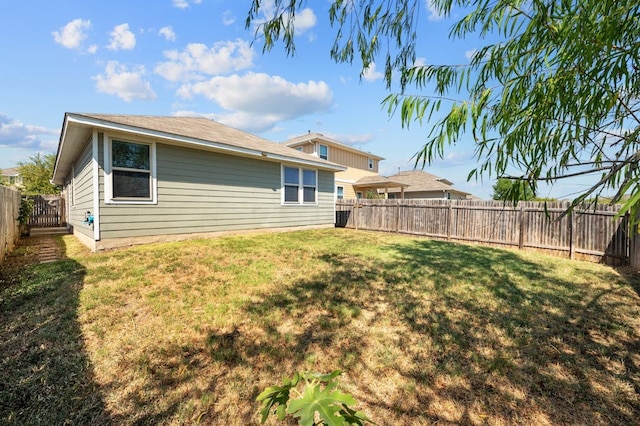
x: 299, y: 185
x: 340, y: 192
x: 324, y: 152
x: 309, y: 186
x: 371, y: 163
x: 299, y: 149
x: 359, y: 195
x: 291, y: 184
x: 130, y: 172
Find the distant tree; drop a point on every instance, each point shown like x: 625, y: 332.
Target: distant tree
x: 512, y: 190
x: 37, y: 174
x: 552, y: 92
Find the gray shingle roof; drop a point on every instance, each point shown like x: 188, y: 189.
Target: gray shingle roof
x: 417, y: 180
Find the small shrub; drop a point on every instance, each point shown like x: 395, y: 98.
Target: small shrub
x: 319, y: 396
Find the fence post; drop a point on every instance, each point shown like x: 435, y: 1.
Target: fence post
x: 634, y: 245
x: 572, y: 244
x: 449, y: 220
x: 521, y: 227
x: 355, y: 214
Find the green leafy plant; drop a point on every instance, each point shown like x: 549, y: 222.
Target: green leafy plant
x: 26, y: 208
x: 319, y: 398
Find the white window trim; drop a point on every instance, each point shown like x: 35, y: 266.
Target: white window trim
x: 301, y: 187
x: 108, y: 175
x: 370, y: 163
x: 339, y: 186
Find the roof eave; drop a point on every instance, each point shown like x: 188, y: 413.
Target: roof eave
x: 90, y: 122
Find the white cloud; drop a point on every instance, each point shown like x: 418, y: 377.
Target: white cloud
x: 72, y: 34
x: 470, y: 53
x: 370, y: 74
x: 257, y: 101
x: 127, y: 85
x: 197, y: 60
x: 420, y: 62
x: 352, y: 139
x: 304, y: 20
x: 183, y: 4
x: 122, y: 38
x: 228, y: 18
x: 16, y: 134
x: 168, y: 33
x: 434, y: 14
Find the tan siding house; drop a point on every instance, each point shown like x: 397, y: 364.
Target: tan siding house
x: 136, y: 179
x: 359, y: 164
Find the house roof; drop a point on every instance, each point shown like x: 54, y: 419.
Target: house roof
x: 419, y: 181
x: 194, y: 132
x: 10, y: 171
x: 319, y: 137
x: 378, y: 182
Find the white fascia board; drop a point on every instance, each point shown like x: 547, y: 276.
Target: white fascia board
x: 220, y: 147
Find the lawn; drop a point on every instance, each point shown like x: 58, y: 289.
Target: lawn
x: 426, y: 332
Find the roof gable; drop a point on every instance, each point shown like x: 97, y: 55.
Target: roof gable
x: 320, y: 138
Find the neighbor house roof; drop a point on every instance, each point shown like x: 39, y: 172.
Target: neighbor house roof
x: 377, y: 182
x: 319, y: 137
x: 10, y: 171
x: 419, y: 181
x: 193, y: 132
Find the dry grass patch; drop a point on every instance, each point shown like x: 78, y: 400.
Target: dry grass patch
x: 426, y: 331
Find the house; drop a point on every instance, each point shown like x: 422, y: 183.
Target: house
x: 360, y: 179
x: 421, y: 184
x: 11, y: 177
x: 134, y: 179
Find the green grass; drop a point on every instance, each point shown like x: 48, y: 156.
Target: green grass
x: 426, y: 332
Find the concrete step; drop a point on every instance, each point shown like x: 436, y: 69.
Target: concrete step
x: 34, y: 232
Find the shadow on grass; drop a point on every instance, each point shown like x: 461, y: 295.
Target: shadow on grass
x: 472, y: 335
x: 45, y: 374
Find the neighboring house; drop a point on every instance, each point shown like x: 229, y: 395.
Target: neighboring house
x: 361, y: 174
x: 11, y: 177
x: 421, y: 184
x: 136, y: 179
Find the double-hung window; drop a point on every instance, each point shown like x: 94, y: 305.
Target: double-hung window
x: 131, y: 170
x: 299, y: 186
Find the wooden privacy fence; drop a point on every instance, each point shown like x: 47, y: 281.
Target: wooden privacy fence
x: 48, y: 211
x: 592, y: 234
x: 9, y: 226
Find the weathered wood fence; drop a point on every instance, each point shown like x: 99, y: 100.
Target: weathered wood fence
x: 48, y: 211
x: 594, y: 234
x: 9, y: 226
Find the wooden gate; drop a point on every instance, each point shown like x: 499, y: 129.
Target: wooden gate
x: 48, y: 211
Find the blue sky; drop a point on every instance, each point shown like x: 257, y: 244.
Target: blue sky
x: 195, y: 57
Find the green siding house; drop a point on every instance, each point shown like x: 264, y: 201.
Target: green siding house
x: 135, y: 179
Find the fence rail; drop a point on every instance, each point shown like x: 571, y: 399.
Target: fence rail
x: 9, y: 226
x: 594, y: 234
